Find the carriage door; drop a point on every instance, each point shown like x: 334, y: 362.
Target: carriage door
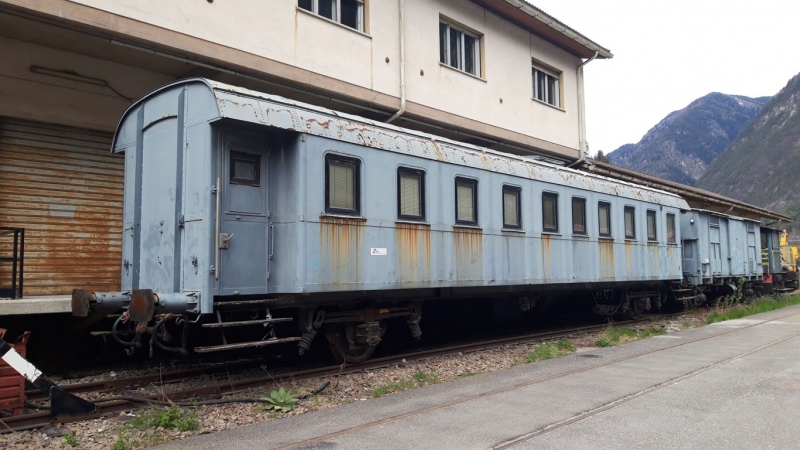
x: 751, y: 248
x: 244, y: 232
x: 716, y: 251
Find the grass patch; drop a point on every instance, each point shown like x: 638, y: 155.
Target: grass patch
x: 549, y: 351
x: 70, y: 440
x: 619, y: 335
x: 469, y: 373
x: 171, y: 418
x: 122, y: 443
x: 758, y: 306
x: 420, y: 379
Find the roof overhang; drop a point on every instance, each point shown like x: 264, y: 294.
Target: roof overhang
x: 545, y: 26
x: 696, y: 197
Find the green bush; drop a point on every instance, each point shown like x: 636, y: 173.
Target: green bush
x: 171, y: 418
x: 549, y: 351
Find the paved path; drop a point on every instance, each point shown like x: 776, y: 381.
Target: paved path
x: 730, y: 385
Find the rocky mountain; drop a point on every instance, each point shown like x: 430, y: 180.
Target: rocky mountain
x: 684, y: 143
x: 762, y: 165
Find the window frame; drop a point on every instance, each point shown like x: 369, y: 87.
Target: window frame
x: 537, y: 71
x: 585, y: 231
x: 343, y: 160
x: 674, y: 239
x: 625, y: 211
x: 545, y: 228
x: 461, y: 64
x: 467, y: 182
x: 420, y: 174
x: 248, y: 157
x: 652, y: 213
x: 336, y: 12
x: 600, y: 204
x: 518, y: 191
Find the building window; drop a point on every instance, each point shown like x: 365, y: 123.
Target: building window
x: 578, y: 216
x: 547, y: 86
x: 410, y: 194
x: 550, y: 212
x: 459, y: 49
x: 512, y: 214
x: 346, y: 12
x: 604, y: 218
x: 466, y: 201
x: 245, y: 169
x: 342, y: 185
x: 671, y: 228
x: 652, y: 235
x: 630, y: 222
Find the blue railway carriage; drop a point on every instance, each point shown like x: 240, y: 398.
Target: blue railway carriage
x: 721, y: 254
x: 246, y: 209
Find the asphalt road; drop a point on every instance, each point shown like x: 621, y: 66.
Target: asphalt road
x: 730, y: 385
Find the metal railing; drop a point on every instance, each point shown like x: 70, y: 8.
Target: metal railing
x: 17, y: 260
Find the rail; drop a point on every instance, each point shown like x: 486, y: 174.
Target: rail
x: 17, y: 260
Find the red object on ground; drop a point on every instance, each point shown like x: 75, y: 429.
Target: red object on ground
x: 12, y: 384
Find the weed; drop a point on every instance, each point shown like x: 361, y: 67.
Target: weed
x: 759, y: 306
x: 395, y: 386
x: 280, y: 400
x: 426, y: 378
x: 70, y: 440
x: 550, y: 351
x: 122, y: 443
x: 603, y: 342
x: 687, y: 324
x: 315, y: 400
x: 736, y: 297
x: 615, y: 335
x: 272, y: 415
x: 469, y: 373
x: 173, y: 417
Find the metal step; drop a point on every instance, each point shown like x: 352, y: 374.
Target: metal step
x: 682, y: 290
x: 246, y: 322
x: 219, y: 348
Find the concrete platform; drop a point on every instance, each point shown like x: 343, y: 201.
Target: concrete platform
x: 733, y: 384
x: 36, y: 305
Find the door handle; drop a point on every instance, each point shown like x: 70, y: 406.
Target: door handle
x: 271, y: 240
x: 224, y: 238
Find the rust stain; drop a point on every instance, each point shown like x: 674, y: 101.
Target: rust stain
x: 547, y: 267
x: 413, y: 248
x: 321, y: 123
x: 340, y: 245
x: 629, y: 259
x: 469, y: 253
x: 438, y: 150
x: 606, y: 259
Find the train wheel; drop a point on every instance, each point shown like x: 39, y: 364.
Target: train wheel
x: 354, y: 343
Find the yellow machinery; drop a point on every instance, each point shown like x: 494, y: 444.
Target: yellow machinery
x: 789, y: 255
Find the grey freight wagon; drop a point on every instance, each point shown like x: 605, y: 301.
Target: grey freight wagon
x: 237, y: 200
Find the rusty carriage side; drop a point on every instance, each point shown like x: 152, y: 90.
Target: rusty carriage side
x: 249, y: 211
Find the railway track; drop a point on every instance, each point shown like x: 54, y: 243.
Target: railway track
x: 116, y: 403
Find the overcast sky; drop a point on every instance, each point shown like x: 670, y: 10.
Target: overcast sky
x: 669, y: 53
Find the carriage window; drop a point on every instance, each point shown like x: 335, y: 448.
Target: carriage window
x: 512, y: 217
x: 578, y: 216
x: 466, y: 201
x: 671, y: 228
x: 604, y: 216
x: 651, y: 226
x: 411, y: 194
x: 751, y: 226
x: 550, y: 212
x: 341, y: 185
x: 714, y: 221
x: 630, y: 223
x: 245, y: 169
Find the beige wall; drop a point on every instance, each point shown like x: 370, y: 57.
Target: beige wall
x: 27, y: 95
x: 283, y: 33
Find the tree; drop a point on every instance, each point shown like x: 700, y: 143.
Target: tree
x: 601, y: 157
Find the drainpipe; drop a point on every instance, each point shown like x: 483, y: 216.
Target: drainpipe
x: 582, y: 112
x: 402, y: 66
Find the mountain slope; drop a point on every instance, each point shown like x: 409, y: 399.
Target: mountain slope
x: 762, y: 166
x: 684, y: 143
